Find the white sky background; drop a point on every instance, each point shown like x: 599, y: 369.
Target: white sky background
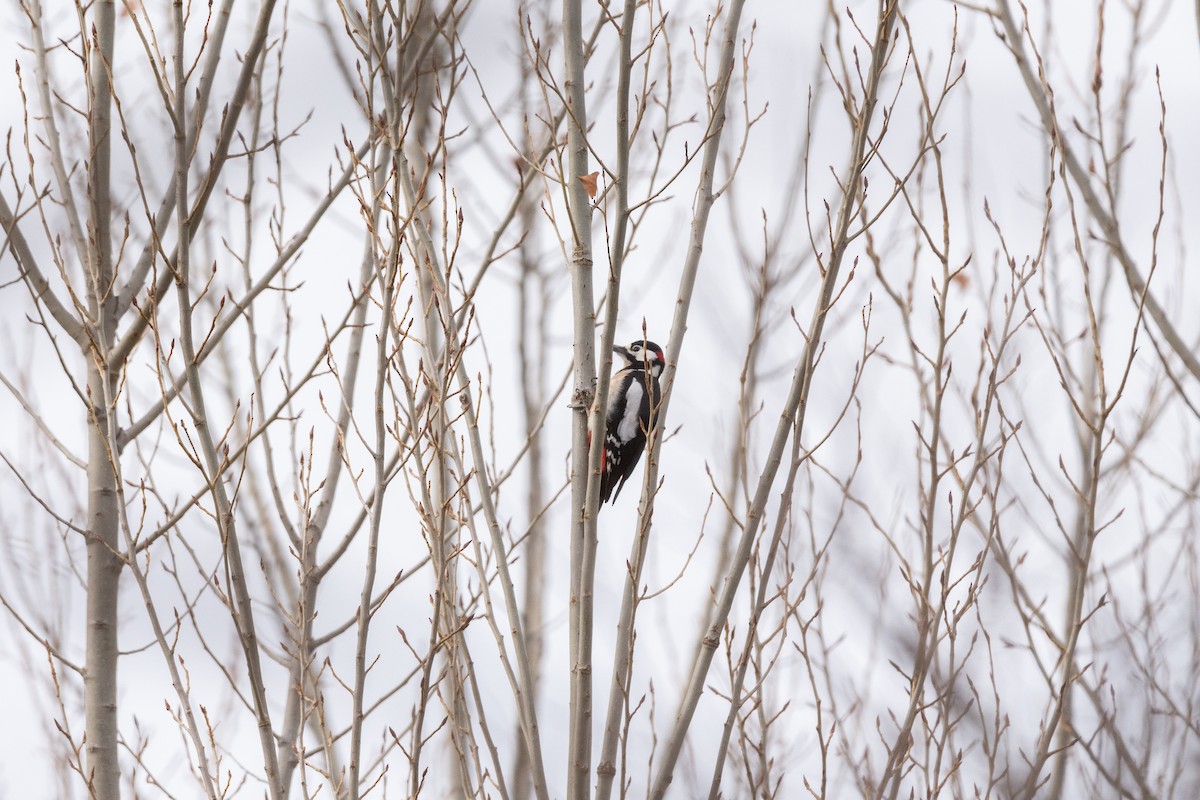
x: 992, y: 141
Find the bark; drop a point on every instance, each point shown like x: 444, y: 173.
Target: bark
x: 583, y: 546
x: 102, y: 767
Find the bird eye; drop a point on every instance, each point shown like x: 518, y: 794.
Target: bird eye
x: 636, y: 347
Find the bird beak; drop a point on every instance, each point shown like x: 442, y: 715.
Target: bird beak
x: 623, y: 352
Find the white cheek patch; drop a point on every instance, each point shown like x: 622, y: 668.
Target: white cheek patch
x: 627, y: 428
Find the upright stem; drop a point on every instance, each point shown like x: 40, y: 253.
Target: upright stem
x: 49, y: 119
x: 606, y: 770
x: 623, y: 658
x: 368, y: 587
x: 532, y: 355
x: 215, y: 464
x: 583, y: 546
x: 616, y: 261
x: 756, y: 612
x: 386, y: 284
x: 522, y: 689
x: 103, y: 772
x: 793, y: 411
x: 304, y: 693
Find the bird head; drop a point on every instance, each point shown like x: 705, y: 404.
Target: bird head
x: 642, y: 354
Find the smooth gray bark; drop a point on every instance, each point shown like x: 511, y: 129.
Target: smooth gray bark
x: 102, y: 766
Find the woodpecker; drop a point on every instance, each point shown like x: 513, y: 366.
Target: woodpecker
x: 633, y: 397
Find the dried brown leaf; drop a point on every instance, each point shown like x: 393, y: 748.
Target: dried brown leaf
x: 589, y: 183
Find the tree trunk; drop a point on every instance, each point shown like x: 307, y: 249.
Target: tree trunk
x: 103, y: 578
x: 102, y: 769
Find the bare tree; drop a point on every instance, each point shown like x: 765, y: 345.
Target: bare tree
x: 314, y: 307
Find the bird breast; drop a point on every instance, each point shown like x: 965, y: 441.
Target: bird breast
x: 628, y: 426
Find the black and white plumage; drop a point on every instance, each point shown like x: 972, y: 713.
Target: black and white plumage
x: 631, y: 404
